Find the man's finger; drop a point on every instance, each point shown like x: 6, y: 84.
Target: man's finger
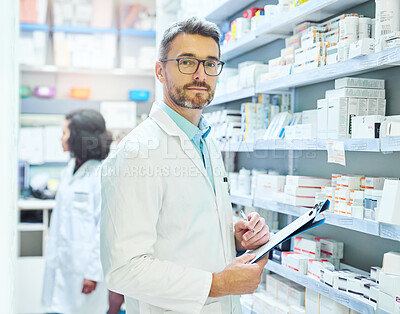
x: 245, y: 258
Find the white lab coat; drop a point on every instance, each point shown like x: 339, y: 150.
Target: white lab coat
x: 73, y: 246
x: 163, y: 230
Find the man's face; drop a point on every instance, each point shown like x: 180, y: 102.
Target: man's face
x: 194, y: 91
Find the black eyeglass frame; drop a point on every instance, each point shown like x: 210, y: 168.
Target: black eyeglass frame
x: 198, y: 64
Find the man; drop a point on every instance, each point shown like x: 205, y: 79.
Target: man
x: 168, y: 242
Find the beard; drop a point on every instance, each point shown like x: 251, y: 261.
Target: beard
x: 179, y: 95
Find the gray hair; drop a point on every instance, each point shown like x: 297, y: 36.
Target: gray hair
x: 192, y: 26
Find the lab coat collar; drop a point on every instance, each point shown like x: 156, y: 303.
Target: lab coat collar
x: 171, y: 128
x: 83, y: 170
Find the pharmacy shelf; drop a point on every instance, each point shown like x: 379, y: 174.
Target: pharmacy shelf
x: 31, y: 227
x: 36, y: 204
x: 83, y: 30
x: 237, y: 147
x: 375, y: 61
x: 225, y: 9
x: 243, y: 200
x: 313, y: 10
x: 391, y: 232
x: 310, y: 283
x: 390, y: 144
x: 138, y: 33
x: 246, y: 44
x: 33, y: 27
x: 360, y: 225
x: 366, y: 145
x: 34, y: 105
x: 86, y: 71
x: 240, y: 94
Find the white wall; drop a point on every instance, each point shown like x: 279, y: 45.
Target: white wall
x: 9, y: 77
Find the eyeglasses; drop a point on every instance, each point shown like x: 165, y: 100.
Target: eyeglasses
x: 191, y: 65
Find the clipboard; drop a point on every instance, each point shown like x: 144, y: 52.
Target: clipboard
x: 311, y: 219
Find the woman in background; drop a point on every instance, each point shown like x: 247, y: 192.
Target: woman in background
x: 73, y: 281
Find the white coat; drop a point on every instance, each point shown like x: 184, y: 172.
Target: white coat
x: 163, y: 229
x: 73, y: 246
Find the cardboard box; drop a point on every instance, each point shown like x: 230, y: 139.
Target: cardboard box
x: 359, y: 83
x: 366, y: 126
x: 312, y: 301
x: 331, y: 248
x: 337, y: 118
x: 322, y: 116
x: 307, y: 181
x: 389, y: 284
x: 355, y: 92
x: 362, y: 47
x: 301, y: 191
x: 296, y: 295
x: 308, y: 247
x: 391, y: 264
x: 329, y: 306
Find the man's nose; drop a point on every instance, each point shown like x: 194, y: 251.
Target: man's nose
x: 200, y: 74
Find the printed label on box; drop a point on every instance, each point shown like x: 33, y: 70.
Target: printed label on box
x: 336, y: 153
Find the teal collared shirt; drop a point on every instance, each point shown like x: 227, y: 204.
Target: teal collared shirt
x: 197, y: 136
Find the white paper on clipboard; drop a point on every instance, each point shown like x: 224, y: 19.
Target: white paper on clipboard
x: 309, y: 220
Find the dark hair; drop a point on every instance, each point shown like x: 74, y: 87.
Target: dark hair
x: 193, y: 26
x: 89, y: 138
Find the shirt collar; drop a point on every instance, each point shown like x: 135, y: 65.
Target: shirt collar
x: 187, y: 127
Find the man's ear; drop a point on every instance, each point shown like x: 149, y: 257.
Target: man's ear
x: 160, y: 71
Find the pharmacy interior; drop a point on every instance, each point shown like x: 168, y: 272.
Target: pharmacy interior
x: 306, y: 109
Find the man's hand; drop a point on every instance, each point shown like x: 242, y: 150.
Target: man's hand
x: 238, y: 277
x: 88, y: 286
x: 245, y: 238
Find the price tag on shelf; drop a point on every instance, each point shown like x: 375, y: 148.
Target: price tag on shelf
x: 336, y: 153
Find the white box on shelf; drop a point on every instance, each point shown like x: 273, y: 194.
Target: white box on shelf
x: 307, y: 181
x: 366, y: 126
x: 311, y: 117
x: 297, y: 262
x: 296, y: 295
x: 389, y: 284
x: 302, y: 201
x: 331, y: 248
x: 312, y: 301
x: 271, y: 282
x: 308, y: 247
x: 337, y: 117
x: 329, y: 306
x: 388, y: 303
x: 391, y: 263
x: 359, y: 83
x: 372, y: 106
x: 301, y: 191
x: 355, y: 92
x: 362, y: 47
x: 322, y: 118
x: 332, y: 55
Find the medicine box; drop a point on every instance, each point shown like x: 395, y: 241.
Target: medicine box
x: 312, y: 301
x: 331, y: 248
x: 303, y: 201
x: 355, y: 92
x: 337, y: 118
x: 332, y: 55
x: 271, y: 281
x: 307, y: 181
x: 32, y: 44
x: 301, y: 191
x: 329, y: 306
x: 366, y: 126
x: 137, y: 50
x: 391, y: 263
x: 389, y: 206
x: 308, y: 247
x: 322, y: 118
x: 359, y: 83
x: 362, y: 47
x: 296, y: 295
x: 268, y: 184
x: 389, y: 284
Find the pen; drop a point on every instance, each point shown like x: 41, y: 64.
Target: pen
x: 244, y: 217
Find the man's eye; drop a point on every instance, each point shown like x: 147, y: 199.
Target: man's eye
x: 211, y: 64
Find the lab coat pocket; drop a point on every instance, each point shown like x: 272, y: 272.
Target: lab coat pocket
x: 212, y: 308
x: 81, y: 218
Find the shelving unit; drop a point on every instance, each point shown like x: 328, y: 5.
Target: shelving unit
x: 226, y: 9
x: 354, y: 145
x: 240, y: 94
x: 280, y: 26
x: 244, y: 200
x: 360, y: 225
x: 310, y: 283
x: 109, y: 72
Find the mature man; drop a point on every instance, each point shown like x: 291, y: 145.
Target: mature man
x: 168, y: 242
